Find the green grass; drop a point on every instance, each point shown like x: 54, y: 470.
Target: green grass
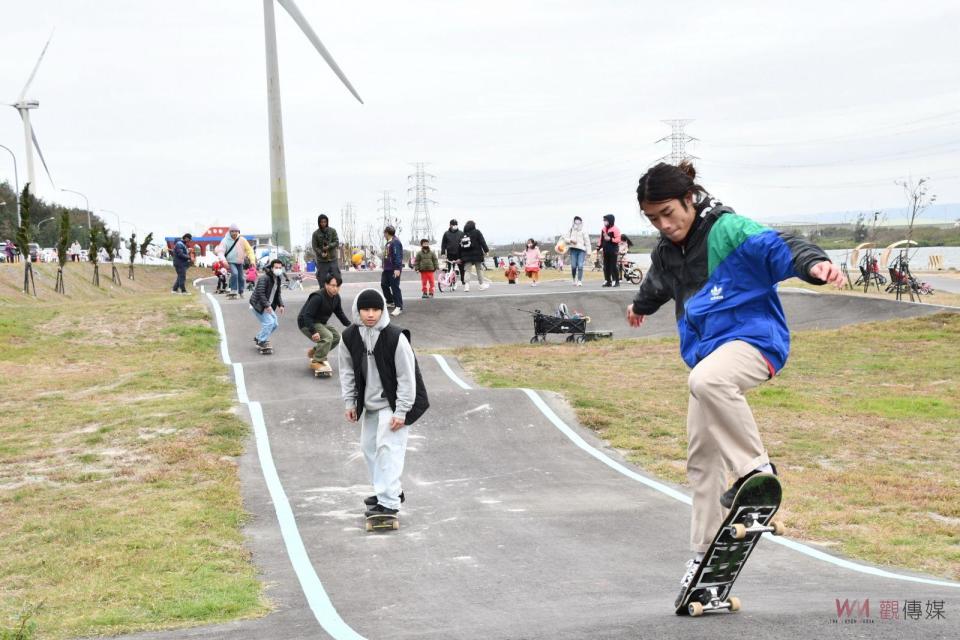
x: 864, y: 424
x: 118, y: 479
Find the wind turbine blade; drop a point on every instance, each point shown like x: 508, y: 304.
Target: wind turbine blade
x: 301, y: 21
x: 36, y: 145
x: 23, y: 93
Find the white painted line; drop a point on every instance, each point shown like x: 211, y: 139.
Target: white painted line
x: 323, y: 610
x: 450, y: 374
x: 676, y: 495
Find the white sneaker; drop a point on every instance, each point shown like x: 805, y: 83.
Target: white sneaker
x: 454, y: 286
x: 396, y: 311
x: 533, y: 284
x: 485, y: 285
x: 466, y: 287
x: 579, y: 283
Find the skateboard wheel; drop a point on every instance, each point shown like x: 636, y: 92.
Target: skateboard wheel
x: 695, y: 609
x: 778, y: 528
x: 369, y: 527
x: 396, y: 525
x: 738, y: 531
x: 734, y: 603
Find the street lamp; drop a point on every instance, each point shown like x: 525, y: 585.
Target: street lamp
x: 114, y: 213
x: 85, y: 199
x: 16, y: 181
x: 44, y: 220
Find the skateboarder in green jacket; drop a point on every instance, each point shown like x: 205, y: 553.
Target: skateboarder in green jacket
x: 722, y: 270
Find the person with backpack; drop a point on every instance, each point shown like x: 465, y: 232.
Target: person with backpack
x: 426, y: 263
x: 326, y: 247
x: 238, y: 253
x: 473, y: 250
x: 450, y: 250
x: 181, y: 262
x: 722, y: 271
x: 314, y: 315
x: 267, y: 304
x: 382, y: 388
x: 609, y: 247
x: 392, y: 267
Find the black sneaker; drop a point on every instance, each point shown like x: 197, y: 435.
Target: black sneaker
x: 380, y: 510
x: 372, y: 500
x: 726, y: 500
x: 424, y: 296
x: 616, y: 284
x: 606, y: 284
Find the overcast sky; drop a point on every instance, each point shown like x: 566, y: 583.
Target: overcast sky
x: 527, y: 113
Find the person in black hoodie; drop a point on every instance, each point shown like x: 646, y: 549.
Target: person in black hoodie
x: 326, y: 246
x: 266, y: 302
x: 450, y: 249
x: 473, y: 249
x: 313, y: 318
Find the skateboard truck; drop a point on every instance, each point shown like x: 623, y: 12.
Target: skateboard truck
x: 739, y: 530
x: 696, y: 609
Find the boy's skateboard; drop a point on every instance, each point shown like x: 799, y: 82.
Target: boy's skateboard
x: 750, y: 516
x: 321, y: 369
x: 381, y: 522
x: 265, y: 349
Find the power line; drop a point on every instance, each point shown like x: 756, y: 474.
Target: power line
x: 678, y: 141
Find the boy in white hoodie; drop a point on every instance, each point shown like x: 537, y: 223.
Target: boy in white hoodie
x: 381, y: 386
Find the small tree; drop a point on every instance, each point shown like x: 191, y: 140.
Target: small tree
x: 860, y: 229
x: 918, y: 198
x: 23, y: 239
x: 132, y: 247
x: 110, y: 244
x: 146, y: 244
x: 62, y: 249
x: 94, y: 254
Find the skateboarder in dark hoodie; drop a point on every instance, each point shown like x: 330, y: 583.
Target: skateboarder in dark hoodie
x: 313, y: 318
x: 721, y: 269
x: 266, y: 303
x: 382, y: 387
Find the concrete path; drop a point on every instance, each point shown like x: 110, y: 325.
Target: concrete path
x: 511, y: 528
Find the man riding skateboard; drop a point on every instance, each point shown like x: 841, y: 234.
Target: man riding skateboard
x: 721, y: 269
x: 313, y: 317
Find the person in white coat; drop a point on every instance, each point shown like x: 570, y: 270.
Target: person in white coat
x: 578, y: 243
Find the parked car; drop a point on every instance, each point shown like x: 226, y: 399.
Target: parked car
x: 34, y: 250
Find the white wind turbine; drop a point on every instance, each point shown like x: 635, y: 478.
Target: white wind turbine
x: 279, y: 214
x: 23, y: 106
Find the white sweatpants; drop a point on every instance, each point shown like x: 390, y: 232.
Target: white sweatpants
x: 384, y: 451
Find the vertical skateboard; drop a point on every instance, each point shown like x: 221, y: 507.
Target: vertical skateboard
x: 750, y: 516
x: 382, y: 522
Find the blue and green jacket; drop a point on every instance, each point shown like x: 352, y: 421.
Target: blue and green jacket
x: 723, y: 279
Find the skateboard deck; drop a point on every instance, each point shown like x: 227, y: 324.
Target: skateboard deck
x: 321, y: 372
x: 382, y: 522
x: 749, y: 517
x: 265, y: 351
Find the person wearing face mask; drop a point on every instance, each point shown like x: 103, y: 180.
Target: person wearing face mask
x: 450, y: 250
x: 531, y: 261
x: 266, y: 304
x: 326, y: 246
x: 235, y: 249
x: 609, y: 247
x: 578, y: 240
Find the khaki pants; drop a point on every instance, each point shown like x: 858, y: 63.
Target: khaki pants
x: 722, y: 434
x: 329, y: 339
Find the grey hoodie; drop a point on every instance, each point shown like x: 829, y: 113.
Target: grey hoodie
x: 404, y: 360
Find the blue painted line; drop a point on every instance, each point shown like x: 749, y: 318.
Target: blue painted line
x: 320, y: 604
x: 676, y: 495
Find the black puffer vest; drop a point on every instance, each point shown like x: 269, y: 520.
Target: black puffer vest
x: 383, y: 355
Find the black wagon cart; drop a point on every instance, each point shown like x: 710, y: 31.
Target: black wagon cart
x: 575, y: 326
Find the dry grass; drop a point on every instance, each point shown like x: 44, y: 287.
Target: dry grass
x: 864, y: 423
x: 118, y: 479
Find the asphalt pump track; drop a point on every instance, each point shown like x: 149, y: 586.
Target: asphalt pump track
x: 519, y: 523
